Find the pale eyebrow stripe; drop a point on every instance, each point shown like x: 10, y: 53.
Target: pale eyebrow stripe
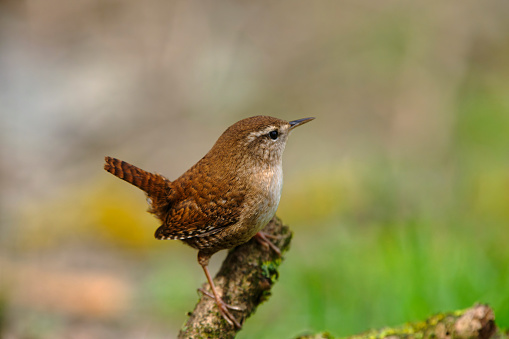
x: 256, y: 134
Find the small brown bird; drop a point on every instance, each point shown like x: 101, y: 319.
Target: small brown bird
x: 226, y: 198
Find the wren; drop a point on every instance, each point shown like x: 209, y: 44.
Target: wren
x: 226, y: 198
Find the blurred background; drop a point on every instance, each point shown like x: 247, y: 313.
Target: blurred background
x: 398, y: 192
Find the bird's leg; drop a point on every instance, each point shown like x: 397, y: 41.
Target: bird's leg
x: 223, y: 307
x: 263, y: 238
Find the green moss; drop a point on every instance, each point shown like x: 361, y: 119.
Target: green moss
x: 270, y: 270
x: 417, y: 329
x: 323, y: 335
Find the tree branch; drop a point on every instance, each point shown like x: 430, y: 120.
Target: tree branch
x: 244, y: 280
x: 475, y: 322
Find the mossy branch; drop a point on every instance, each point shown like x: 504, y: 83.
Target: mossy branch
x: 475, y: 322
x: 244, y: 280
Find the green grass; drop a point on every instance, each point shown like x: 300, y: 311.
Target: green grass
x: 347, y: 278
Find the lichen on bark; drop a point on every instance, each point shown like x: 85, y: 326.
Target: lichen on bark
x: 475, y: 322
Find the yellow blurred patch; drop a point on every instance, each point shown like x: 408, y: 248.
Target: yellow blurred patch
x: 107, y: 212
x: 321, y: 193
x: 492, y: 194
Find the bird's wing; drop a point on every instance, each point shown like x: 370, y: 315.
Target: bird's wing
x: 195, y: 218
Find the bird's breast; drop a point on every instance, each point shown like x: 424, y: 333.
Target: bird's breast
x: 263, y: 198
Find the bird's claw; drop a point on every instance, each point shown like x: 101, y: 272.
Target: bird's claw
x: 263, y: 239
x: 223, y: 309
x: 231, y: 307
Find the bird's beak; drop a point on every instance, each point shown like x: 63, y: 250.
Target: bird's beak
x: 299, y: 122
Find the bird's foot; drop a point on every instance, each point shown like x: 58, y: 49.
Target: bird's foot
x: 263, y: 239
x: 210, y: 295
x: 223, y: 309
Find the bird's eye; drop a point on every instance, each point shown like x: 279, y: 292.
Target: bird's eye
x: 273, y: 134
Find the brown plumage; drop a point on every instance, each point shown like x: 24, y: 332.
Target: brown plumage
x: 226, y: 198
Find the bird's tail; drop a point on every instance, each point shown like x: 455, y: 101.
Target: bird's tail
x: 156, y: 186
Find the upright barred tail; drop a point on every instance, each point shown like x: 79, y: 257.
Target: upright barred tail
x: 156, y: 186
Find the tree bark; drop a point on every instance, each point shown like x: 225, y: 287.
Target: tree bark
x: 244, y: 280
x: 475, y: 322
